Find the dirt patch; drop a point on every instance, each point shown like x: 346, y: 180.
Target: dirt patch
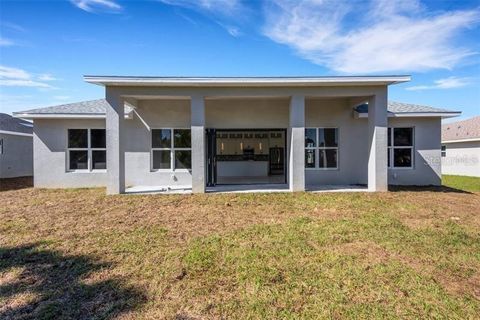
x: 430, y: 209
x: 369, y: 252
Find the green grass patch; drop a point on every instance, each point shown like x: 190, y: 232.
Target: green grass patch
x: 347, y: 268
x: 470, y: 184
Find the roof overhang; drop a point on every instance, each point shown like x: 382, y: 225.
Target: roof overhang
x: 462, y: 140
x: 246, y: 81
x: 442, y: 115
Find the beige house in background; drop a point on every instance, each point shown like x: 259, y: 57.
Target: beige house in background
x: 236, y: 133
x: 461, y: 147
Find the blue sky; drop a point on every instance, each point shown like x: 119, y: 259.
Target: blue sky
x: 47, y: 46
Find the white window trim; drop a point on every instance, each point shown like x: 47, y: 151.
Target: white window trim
x: 391, y: 149
x: 89, y: 150
x: 172, y: 150
x: 317, y: 149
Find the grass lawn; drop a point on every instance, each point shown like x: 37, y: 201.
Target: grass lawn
x: 471, y: 184
x: 81, y: 254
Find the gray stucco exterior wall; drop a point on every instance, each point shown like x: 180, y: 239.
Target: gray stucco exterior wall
x: 50, y: 141
x: 352, y: 142
x: 16, y: 160
x: 353, y: 146
x: 50, y: 154
x: 296, y: 137
x: 197, y: 112
x: 115, y: 132
x: 50, y: 147
x: 427, y: 153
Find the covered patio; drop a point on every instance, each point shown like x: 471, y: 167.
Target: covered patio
x: 244, y: 103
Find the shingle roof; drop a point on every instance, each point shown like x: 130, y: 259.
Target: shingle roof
x: 91, y: 107
x: 400, y: 107
x: 9, y: 123
x: 99, y: 107
x: 461, y: 130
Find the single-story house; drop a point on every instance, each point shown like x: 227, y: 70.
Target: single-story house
x: 461, y: 147
x: 198, y: 133
x: 16, y: 147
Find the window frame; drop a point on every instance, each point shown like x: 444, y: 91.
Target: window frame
x: 89, y: 150
x: 172, y: 150
x: 317, y: 149
x: 391, y: 149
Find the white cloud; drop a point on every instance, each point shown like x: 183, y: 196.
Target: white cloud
x: 12, y: 26
x: 220, y: 10
x: 387, y: 8
x: 446, y: 83
x: 46, y: 77
x: 225, y: 7
x: 451, y: 82
x: 233, y: 31
x: 94, y: 5
x: 23, y: 83
x: 4, y: 42
x: 13, y: 73
x: 15, y: 77
x: 390, y: 35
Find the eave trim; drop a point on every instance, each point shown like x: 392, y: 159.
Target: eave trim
x: 462, y: 140
x: 244, y: 81
x: 14, y: 133
x: 414, y: 114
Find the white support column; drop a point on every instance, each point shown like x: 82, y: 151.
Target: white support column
x: 114, y: 124
x: 378, y: 135
x: 296, y: 163
x: 197, y: 107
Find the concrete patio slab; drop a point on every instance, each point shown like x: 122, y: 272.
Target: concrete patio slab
x: 242, y: 188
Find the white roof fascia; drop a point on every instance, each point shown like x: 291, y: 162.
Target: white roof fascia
x: 462, y: 140
x: 14, y: 133
x: 415, y: 114
x: 244, y: 81
x: 426, y: 114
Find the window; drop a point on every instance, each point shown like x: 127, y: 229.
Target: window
x: 310, y: 147
x: 86, y: 150
x: 321, y: 148
x: 171, y: 149
x: 1, y: 146
x: 444, y: 151
x: 400, y: 147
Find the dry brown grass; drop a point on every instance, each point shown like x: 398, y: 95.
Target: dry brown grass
x: 79, y: 253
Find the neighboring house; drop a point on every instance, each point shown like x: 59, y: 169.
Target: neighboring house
x: 461, y: 147
x: 301, y: 132
x: 16, y: 147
